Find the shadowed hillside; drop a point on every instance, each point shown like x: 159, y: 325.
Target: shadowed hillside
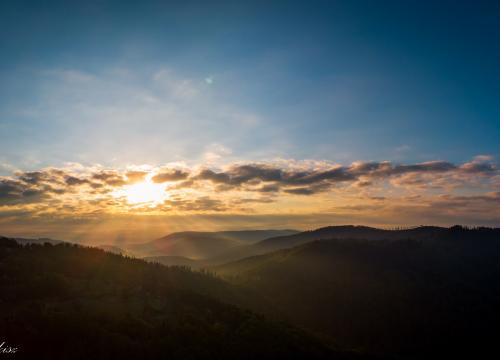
x: 350, y: 232
x: 330, y: 232
x: 65, y: 302
x: 435, y: 294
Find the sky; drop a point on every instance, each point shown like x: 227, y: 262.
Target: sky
x: 258, y: 114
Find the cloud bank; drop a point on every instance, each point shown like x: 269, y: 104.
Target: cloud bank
x: 284, y: 186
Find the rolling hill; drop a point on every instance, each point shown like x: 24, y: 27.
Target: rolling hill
x: 435, y: 294
x: 330, y: 232
x: 349, y: 232
x: 202, y: 245
x: 64, y: 301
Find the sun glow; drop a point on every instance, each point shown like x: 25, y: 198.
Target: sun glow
x: 145, y: 192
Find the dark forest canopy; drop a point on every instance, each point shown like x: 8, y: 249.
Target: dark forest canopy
x: 346, y: 292
x: 417, y: 293
x: 65, y: 301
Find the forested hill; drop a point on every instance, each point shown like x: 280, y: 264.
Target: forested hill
x: 356, y: 232
x: 68, y: 302
x: 350, y: 232
x: 410, y: 298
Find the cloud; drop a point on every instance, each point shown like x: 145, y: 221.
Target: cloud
x: 480, y: 164
x: 110, y: 177
x: 302, y: 191
x: 38, y: 177
x: 430, y: 166
x: 313, y: 181
x: 135, y: 176
x: 18, y: 192
x: 202, y: 204
x: 238, y: 175
x: 269, y: 188
x: 170, y: 175
x: 386, y: 168
x: 207, y: 174
x: 73, y: 180
x: 390, y: 189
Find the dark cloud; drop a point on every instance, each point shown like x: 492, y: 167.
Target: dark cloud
x: 214, y: 177
x: 170, y: 175
x: 54, y: 176
x: 255, y: 173
x: 40, y: 186
x: 53, y: 190
x: 16, y: 192
x: 431, y: 166
x: 361, y: 168
x: 244, y: 173
x: 241, y: 174
x: 335, y: 174
x: 386, y: 169
x: 111, y: 178
x: 75, y: 181
x: 300, y: 191
x: 263, y: 200
x: 309, y: 182
x: 308, y: 190
x: 269, y: 188
x: 10, y: 190
x: 33, y: 177
x: 204, y: 203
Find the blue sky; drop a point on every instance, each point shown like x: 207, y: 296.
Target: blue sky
x: 359, y: 80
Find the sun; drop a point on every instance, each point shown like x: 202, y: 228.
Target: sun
x: 145, y: 192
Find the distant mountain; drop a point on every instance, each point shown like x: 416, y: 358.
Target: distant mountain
x: 200, y: 245
x: 330, y: 232
x: 252, y: 236
x: 350, y: 232
x: 69, y: 302
x: 421, y: 292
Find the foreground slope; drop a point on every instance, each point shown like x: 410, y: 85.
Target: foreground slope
x: 64, y: 301
x: 408, y: 298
